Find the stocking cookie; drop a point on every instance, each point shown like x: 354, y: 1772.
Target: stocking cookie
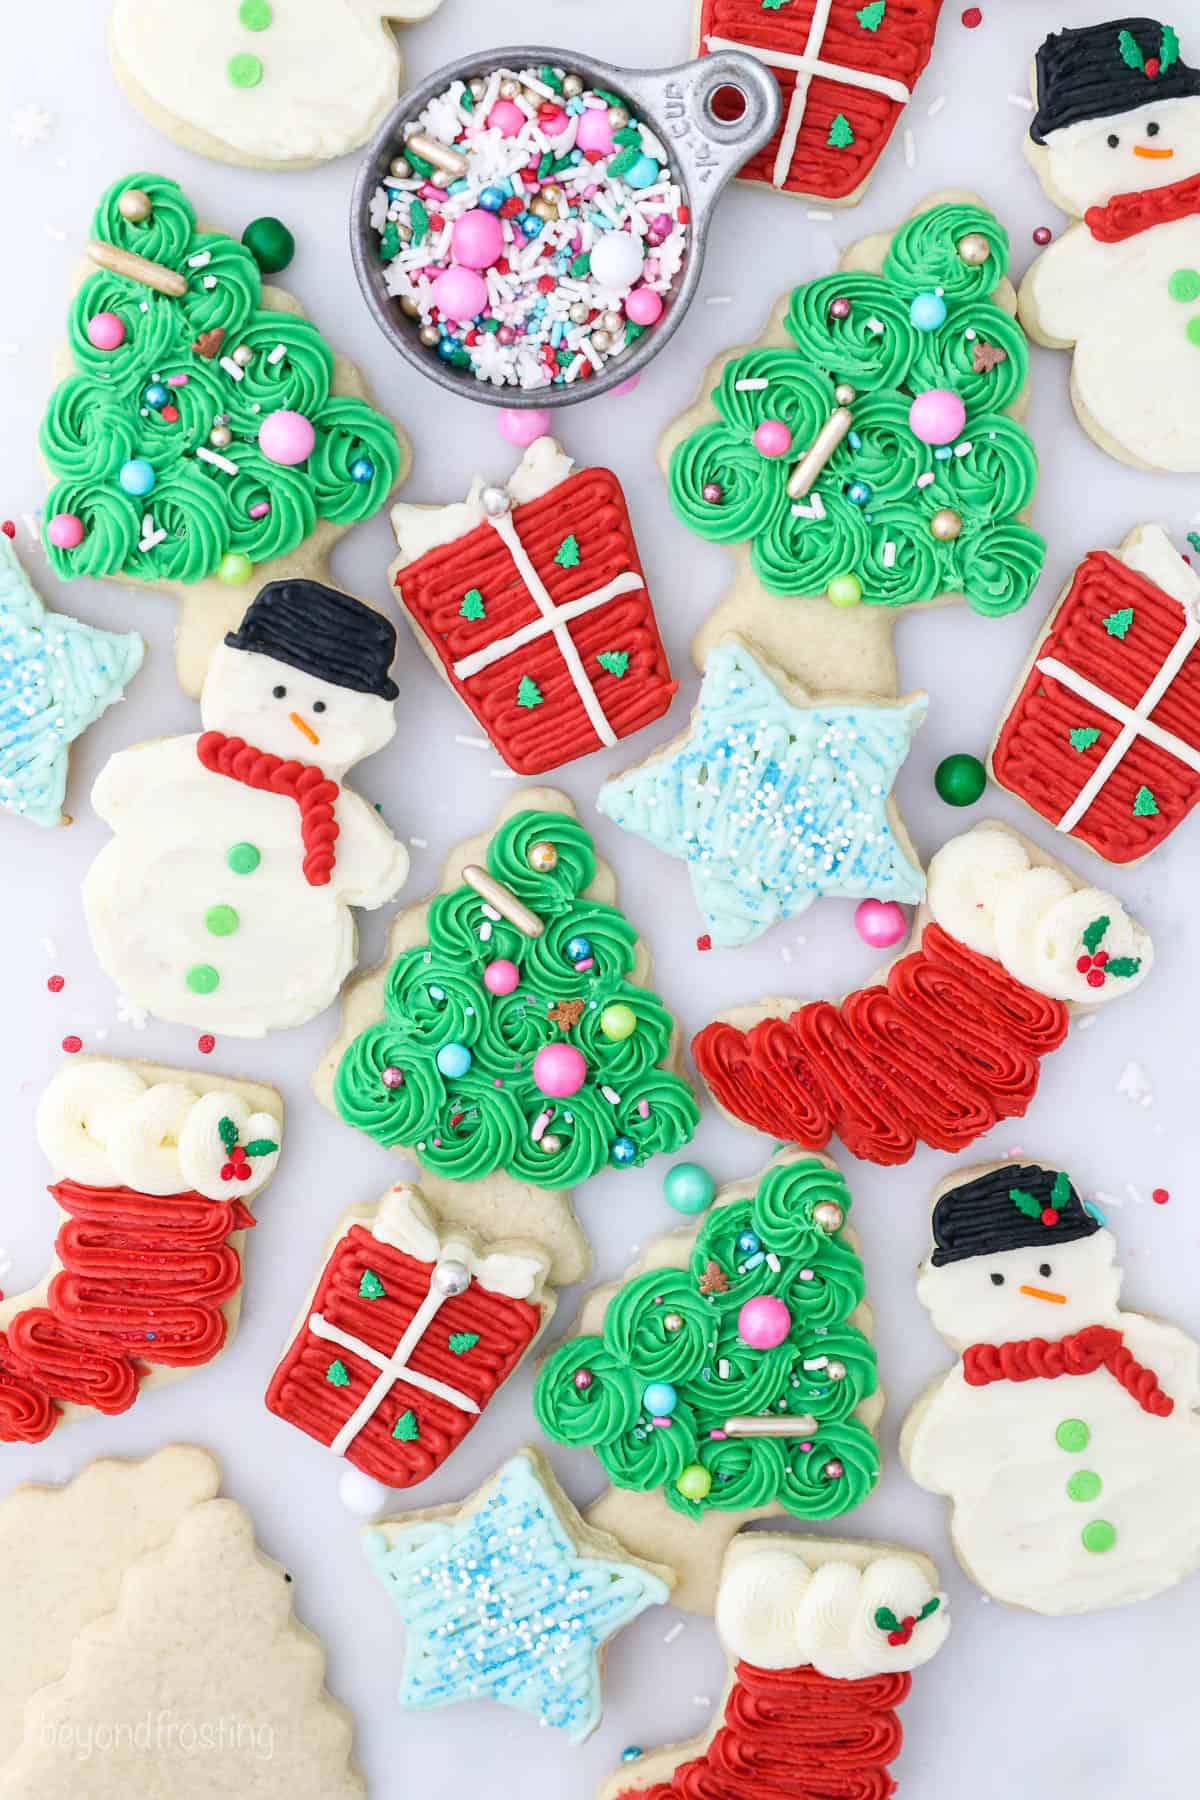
x: 509, y: 1041
x: 774, y: 799
x: 224, y: 898
x: 531, y: 601
x: 847, y: 70
x: 730, y: 1376
x: 510, y: 1596
x: 154, y: 1172
x: 1115, y: 142
x: 270, y: 84
x: 203, y: 437
x: 1102, y: 733
x: 948, y: 1039
x: 822, y: 1638
x: 404, y: 1339
x: 1095, y: 1408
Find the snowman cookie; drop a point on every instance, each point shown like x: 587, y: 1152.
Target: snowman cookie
x: 269, y: 84
x: 1066, y: 1436
x: 1115, y: 142
x: 224, y: 898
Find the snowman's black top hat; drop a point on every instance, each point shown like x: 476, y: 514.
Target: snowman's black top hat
x: 1013, y: 1208
x: 326, y: 633
x: 1104, y: 70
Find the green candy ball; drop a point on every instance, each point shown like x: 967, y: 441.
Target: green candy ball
x: 270, y: 243
x: 695, y: 1482
x: 845, y: 590
x: 234, y: 569
x: 688, y: 1188
x: 960, y: 779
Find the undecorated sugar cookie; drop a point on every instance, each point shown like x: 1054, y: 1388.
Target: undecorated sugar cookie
x: 1066, y: 1436
x: 203, y: 438
x: 509, y: 1041
x: 224, y: 899
x: 405, y: 1338
x: 510, y: 1596
x: 866, y: 454
x: 729, y: 1376
x: 275, y: 84
x: 822, y: 1637
x: 1115, y: 142
x: 948, y: 1039
x: 154, y: 1172
x: 1101, y: 735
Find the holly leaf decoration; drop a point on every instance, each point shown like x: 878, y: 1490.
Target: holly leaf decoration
x: 370, y: 1287
x: 1131, y: 54
x: 1118, y: 623
x: 418, y: 218
x: 462, y: 1341
x: 623, y: 161
x: 472, y: 605
x: 774, y: 5
x: 337, y: 1374
x: 841, y: 133
x: 1145, y: 806
x: 1026, y: 1203
x: 615, y: 661
x: 886, y: 1619
x: 1083, y: 736
x: 567, y: 554
x: 1169, y: 49
x: 406, y: 1428
x: 871, y: 17
x: 261, y: 1147
x: 1093, y: 935
x: 389, y: 241
x: 628, y: 135
x: 581, y: 264
x: 1060, y: 1193
x: 229, y: 1133
x: 928, y: 1610
x: 1123, y: 966
x: 529, y: 694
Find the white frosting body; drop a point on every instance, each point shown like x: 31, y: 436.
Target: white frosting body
x: 331, y: 70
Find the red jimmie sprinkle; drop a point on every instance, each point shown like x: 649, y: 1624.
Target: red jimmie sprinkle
x: 72, y: 1045
x: 1160, y: 1196
x: 206, y: 1044
x: 56, y: 984
x: 8, y: 528
x: 973, y: 17
x: 704, y: 943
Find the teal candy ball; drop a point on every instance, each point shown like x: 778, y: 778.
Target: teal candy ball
x: 960, y: 779
x: 688, y: 1187
x: 927, y: 312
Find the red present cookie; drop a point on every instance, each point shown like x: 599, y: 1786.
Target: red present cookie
x: 1102, y: 736
x: 405, y: 1339
x: 532, y: 602
x: 847, y: 69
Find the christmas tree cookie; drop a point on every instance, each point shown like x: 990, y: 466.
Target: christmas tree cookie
x: 847, y: 69
x: 510, y: 1041
x: 948, y: 1039
x: 530, y: 599
x: 822, y: 819
x: 57, y: 677
x: 203, y: 438
x: 404, y: 1339
x: 729, y: 1376
x: 1061, y: 1408
x: 867, y: 454
x: 510, y: 1596
x: 269, y: 84
x: 1101, y: 735
x: 224, y: 898
x: 154, y: 1171
x: 1115, y: 141
x: 822, y: 1637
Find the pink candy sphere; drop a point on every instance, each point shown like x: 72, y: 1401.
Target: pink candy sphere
x: 594, y: 131
x: 937, y: 416
x: 559, y: 1070
x: 459, y: 293
x: 286, y: 438
x: 523, y: 426
x: 644, y: 306
x: 106, y: 331
x: 772, y: 438
x: 478, y: 239
x: 501, y: 976
x: 506, y: 117
x: 65, y: 531
x: 764, y: 1322
x: 880, y: 923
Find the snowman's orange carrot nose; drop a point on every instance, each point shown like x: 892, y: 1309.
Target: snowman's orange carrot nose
x: 1044, y: 1294
x: 1149, y: 151
x: 304, y: 726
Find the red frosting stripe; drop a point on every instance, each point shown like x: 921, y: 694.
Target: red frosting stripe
x: 68, y: 1364
x: 304, y: 783
x: 1081, y: 1353
x: 795, y: 1734
x: 937, y: 1054
x: 27, y: 1413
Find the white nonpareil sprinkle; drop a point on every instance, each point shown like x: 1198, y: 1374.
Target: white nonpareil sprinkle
x: 751, y: 386
x: 232, y: 369
x: 277, y: 355
x: 935, y: 107
x: 910, y: 148
x: 218, y: 461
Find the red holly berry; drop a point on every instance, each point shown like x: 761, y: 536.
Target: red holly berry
x: 1083, y: 964
x: 227, y: 1171
x: 1095, y: 978
x: 1093, y: 968
x: 1152, y: 67
x: 56, y: 984
x: 1100, y: 958
x: 1050, y: 1215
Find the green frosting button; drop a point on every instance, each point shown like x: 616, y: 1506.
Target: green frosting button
x: 1073, y: 1435
x: 243, y: 859
x: 245, y: 71
x: 1192, y: 331
x: 1099, y: 1536
x: 1184, y: 285
x: 202, y: 978
x: 1084, y: 1486
x: 222, y: 921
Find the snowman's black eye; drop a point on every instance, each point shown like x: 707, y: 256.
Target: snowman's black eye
x: 1045, y: 1269
x: 1152, y: 130
x: 1113, y: 140
x: 318, y: 706
x: 997, y: 1281
x: 279, y: 692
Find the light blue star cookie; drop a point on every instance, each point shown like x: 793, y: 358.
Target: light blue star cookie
x: 500, y: 1600
x: 56, y: 678
x: 773, y: 803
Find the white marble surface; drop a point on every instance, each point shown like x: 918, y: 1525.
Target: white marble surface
x: 1016, y: 1705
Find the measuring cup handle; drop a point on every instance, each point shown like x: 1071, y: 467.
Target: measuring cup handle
x: 709, y: 149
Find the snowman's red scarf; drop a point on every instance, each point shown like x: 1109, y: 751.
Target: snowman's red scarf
x: 304, y: 783
x: 1082, y: 1353
x: 1128, y: 214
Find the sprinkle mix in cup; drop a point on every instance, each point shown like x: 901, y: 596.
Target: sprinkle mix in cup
x: 532, y: 227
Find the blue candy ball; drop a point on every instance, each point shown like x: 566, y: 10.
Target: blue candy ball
x: 363, y: 469
x: 492, y: 199
x: 643, y: 173
x: 156, y: 395
x: 688, y: 1187
x: 531, y: 225
x: 623, y: 1151
x: 749, y: 1243
x: 447, y: 348
x: 660, y: 1399
x: 927, y: 312
x: 631, y: 1752
x: 858, y: 493
x: 453, y: 1060
x: 578, y: 949
x: 138, y: 477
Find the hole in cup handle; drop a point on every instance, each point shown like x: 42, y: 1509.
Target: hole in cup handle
x: 693, y: 108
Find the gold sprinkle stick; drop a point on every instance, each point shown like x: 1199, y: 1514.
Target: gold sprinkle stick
x: 831, y: 434
x: 772, y: 1425
x: 504, y: 901
x: 440, y: 155
x: 138, y: 268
